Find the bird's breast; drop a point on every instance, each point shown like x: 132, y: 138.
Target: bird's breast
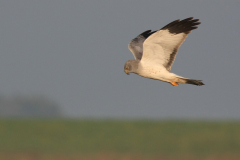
x: 154, y: 72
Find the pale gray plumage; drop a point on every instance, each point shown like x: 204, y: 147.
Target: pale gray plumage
x: 155, y: 52
x: 136, y: 45
x: 132, y: 66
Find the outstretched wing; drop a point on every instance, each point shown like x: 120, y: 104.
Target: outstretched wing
x: 136, y: 45
x: 162, y: 46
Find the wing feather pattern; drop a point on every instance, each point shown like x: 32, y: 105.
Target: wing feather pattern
x: 162, y: 46
x: 136, y: 45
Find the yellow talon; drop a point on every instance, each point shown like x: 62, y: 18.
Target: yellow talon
x: 174, y: 83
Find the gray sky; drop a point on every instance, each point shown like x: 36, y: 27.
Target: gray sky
x: 74, y: 52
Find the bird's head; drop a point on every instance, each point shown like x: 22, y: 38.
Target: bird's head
x: 131, y: 66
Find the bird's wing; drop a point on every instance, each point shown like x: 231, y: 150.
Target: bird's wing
x: 162, y: 46
x: 136, y: 45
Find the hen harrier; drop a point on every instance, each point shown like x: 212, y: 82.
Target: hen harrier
x: 155, y: 52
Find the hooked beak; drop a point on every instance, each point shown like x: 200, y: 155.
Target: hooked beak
x: 126, y: 71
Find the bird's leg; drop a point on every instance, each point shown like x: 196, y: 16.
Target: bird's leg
x: 174, y: 83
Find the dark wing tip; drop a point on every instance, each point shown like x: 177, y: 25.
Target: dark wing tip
x: 147, y: 33
x: 183, y: 26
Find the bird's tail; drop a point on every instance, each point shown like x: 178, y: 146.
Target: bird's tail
x: 189, y: 81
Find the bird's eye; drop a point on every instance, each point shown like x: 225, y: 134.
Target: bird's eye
x: 126, y: 68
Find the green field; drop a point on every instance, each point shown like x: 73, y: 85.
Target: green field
x: 113, y: 139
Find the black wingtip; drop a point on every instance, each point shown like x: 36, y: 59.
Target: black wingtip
x: 182, y: 26
x: 147, y: 33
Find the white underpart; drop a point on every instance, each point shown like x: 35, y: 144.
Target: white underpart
x: 156, y: 72
x: 157, y: 50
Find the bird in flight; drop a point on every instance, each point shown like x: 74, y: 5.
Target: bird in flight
x: 155, y: 52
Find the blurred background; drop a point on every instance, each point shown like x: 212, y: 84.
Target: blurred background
x: 64, y: 94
